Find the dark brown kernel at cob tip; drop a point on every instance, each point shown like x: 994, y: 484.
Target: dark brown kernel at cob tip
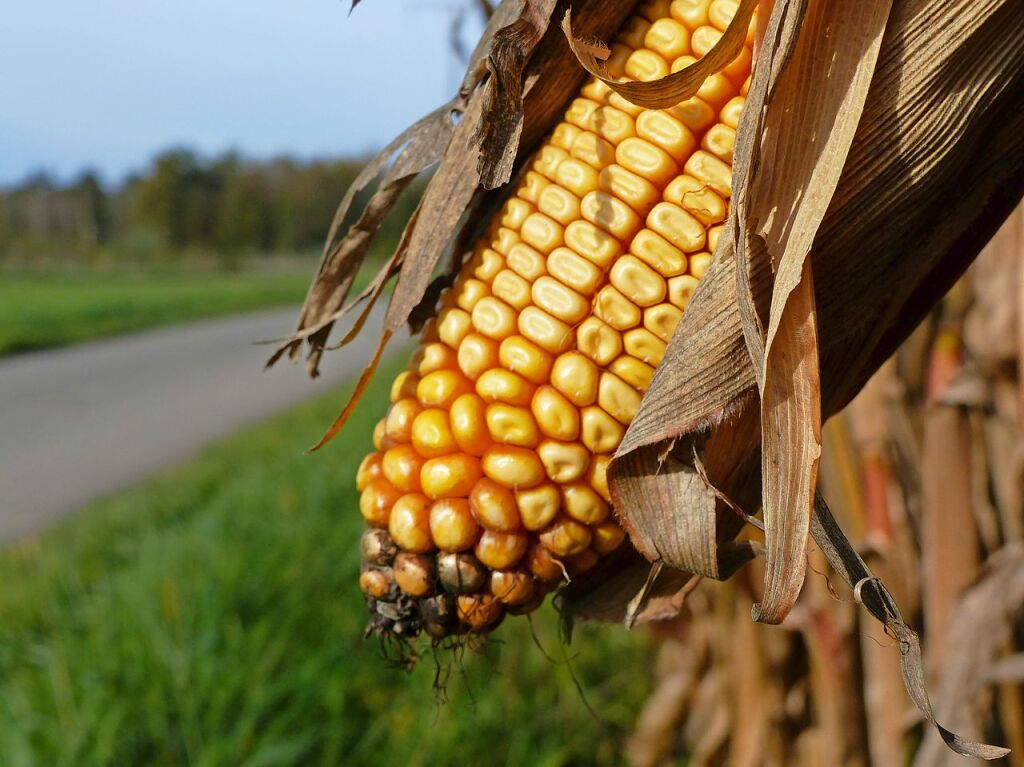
x: 488, y: 485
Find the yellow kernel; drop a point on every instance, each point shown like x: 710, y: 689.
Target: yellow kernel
x: 617, y: 398
x: 380, y: 435
x: 538, y: 506
x: 600, y: 432
x: 512, y: 587
x: 547, y: 161
x: 500, y: 385
x: 399, y: 419
x: 576, y: 176
x: 542, y: 563
x: 623, y: 105
x: 645, y: 159
x: 494, y: 318
x: 525, y: 261
x: 401, y: 466
x: 432, y: 433
x: 500, y: 551
x: 615, y: 64
x: 720, y: 140
x: 583, y: 504
x: 730, y: 114
x: 639, y: 193
x: 454, y: 324
x: 503, y: 241
x: 469, y: 292
x: 702, y: 41
x: 615, y: 309
x: 662, y: 320
x: 450, y: 476
x: 690, y: 13
x: 596, y: 90
x: 652, y: 10
x: 541, y: 232
x: 376, y: 502
x: 441, y: 388
x: 711, y: 171
x: 409, y: 524
x: 479, y: 612
x: 699, y: 263
x: 434, y: 356
x: 369, y: 470
x: 714, y: 233
x: 558, y: 300
x: 477, y: 354
x: 677, y: 226
x: 715, y: 91
x: 564, y: 135
x: 531, y: 187
x: 721, y: 12
x: 644, y: 345
x: 595, y: 245
x: 404, y: 385
x: 512, y: 289
x: 593, y: 150
x: 526, y: 358
x: 548, y: 332
x: 555, y: 415
x: 634, y: 372
x: 452, y: 525
x: 666, y: 259
x: 667, y: 133
x: 598, y: 341
x: 494, y: 506
x: 468, y: 418
x: 510, y: 425
x: 611, y: 214
x: 513, y: 467
x: 514, y: 213
x: 563, y: 461
x: 597, y: 475
x: 646, y: 65
x: 575, y: 377
x: 633, y: 31
x: 668, y: 38
x: 566, y: 537
x: 680, y: 290
x: 612, y: 124
x: 607, y: 537
x: 581, y: 112
x: 566, y: 266
x: 695, y: 113
x: 561, y: 205
x: 637, y: 281
x: 699, y: 201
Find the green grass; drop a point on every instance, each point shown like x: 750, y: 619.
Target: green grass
x: 212, y: 617
x: 44, y: 309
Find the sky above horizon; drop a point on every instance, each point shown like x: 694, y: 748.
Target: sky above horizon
x: 107, y: 84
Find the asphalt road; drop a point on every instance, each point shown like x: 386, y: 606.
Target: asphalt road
x: 80, y: 423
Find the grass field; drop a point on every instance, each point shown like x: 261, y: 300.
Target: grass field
x: 40, y: 310
x: 212, y: 617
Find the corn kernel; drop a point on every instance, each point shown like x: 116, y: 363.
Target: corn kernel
x: 702, y: 41
x: 721, y: 12
x: 607, y: 537
x: 624, y: 105
x: 468, y: 292
x: 566, y: 537
x: 646, y: 65
x: 600, y: 432
x: 525, y: 358
x: 547, y: 162
x: 637, y: 281
x: 409, y: 525
x: 593, y: 150
x: 494, y: 506
x: 452, y: 525
x: 581, y: 112
x: 611, y: 214
x: 715, y: 91
x: 666, y: 259
x: 745, y: 90
x: 711, y: 171
x: 500, y: 551
x: 441, y: 388
x: 561, y: 205
x: 450, y: 476
x: 634, y: 372
x: 638, y: 193
x: 468, y: 418
x: 564, y: 135
x: 404, y: 385
x: 510, y: 425
x: 680, y: 290
x: 494, y: 318
x: 512, y: 289
x: 477, y: 354
x: 434, y: 356
x: 513, y: 467
x: 677, y: 226
x: 695, y: 113
x: 453, y: 325
x: 596, y: 90
x: 617, y: 398
x: 512, y: 587
x: 699, y: 201
x: 502, y: 244
x: 479, y: 612
x: 555, y: 415
x: 615, y: 309
x: 381, y: 441
x: 548, y: 332
x: 399, y: 420
x: 525, y: 261
x: 576, y: 176
x: 514, y: 213
x: 730, y: 114
x: 633, y: 32
x: 500, y: 385
x: 428, y: 333
x: 690, y: 13
x: 699, y: 264
x: 644, y: 345
x: 541, y: 232
x: 668, y: 38
x: 538, y: 506
x: 563, y: 461
x: 566, y: 266
x: 376, y: 502
x: 662, y: 320
x: 575, y: 377
x: 615, y: 64
x: 432, y: 433
x: 666, y: 133
x: 369, y: 470
x: 599, y: 341
x: 583, y: 504
x: 652, y: 10
x: 595, y: 245
x: 374, y: 583
x: 597, y: 475
x: 645, y: 159
x: 720, y: 141
x: 612, y: 124
x: 415, y: 573
x: 714, y: 233
x: 401, y: 466
x: 543, y: 564
x: 559, y: 301
x: 531, y: 187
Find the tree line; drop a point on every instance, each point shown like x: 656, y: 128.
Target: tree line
x: 225, y: 207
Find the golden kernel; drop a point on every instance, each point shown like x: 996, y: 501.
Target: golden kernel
x: 563, y: 461
x: 477, y: 354
x: 699, y: 263
x: 680, y: 290
x: 646, y: 65
x: 653, y: 249
x: 454, y: 324
x: 500, y: 551
x: 494, y: 506
x: 608, y: 536
x: 452, y: 525
x: 563, y: 136
x: 711, y: 171
x: 668, y: 38
x: 577, y: 176
x: 697, y: 200
x: 695, y: 113
x: 559, y: 301
x: 512, y: 587
x: 677, y: 226
x: 615, y: 309
x: 514, y: 213
x: 600, y: 432
x: 504, y: 240
x: 550, y: 333
x: 593, y: 150
x: 450, y: 476
x: 513, y: 467
x: 575, y: 376
x: 538, y: 506
x: 633, y: 31
x: 637, y: 281
x: 720, y: 141
x: 662, y: 320
x: 611, y: 214
x: 510, y: 425
x: 525, y: 261
x: 599, y: 341
x: 401, y: 466
x: 409, y: 525
x: 415, y: 573
x: 442, y: 387
x: 512, y: 289
x: 376, y: 501
x: 543, y: 233
x: 597, y: 475
x: 525, y: 358
x: 480, y: 612
x: 468, y: 292
x: 690, y: 13
x: 432, y: 434
x: 571, y: 269
x: 500, y: 385
x: 634, y: 372
x: 543, y: 564
x: 404, y: 385
x: 468, y: 418
x: 434, y: 356
x: 381, y: 441
x: 730, y: 114
x: 369, y: 470
x: 555, y: 415
x: 667, y: 133
x: 617, y: 398
x: 531, y: 187
x: 494, y: 318
x: 559, y: 204
x: 644, y: 345
x: 647, y: 160
x: 595, y: 245
x: 637, y: 192
x: 546, y: 163
x: 566, y: 537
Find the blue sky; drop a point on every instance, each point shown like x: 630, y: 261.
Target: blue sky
x: 108, y: 83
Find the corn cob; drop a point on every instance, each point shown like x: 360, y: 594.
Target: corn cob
x: 487, y: 487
